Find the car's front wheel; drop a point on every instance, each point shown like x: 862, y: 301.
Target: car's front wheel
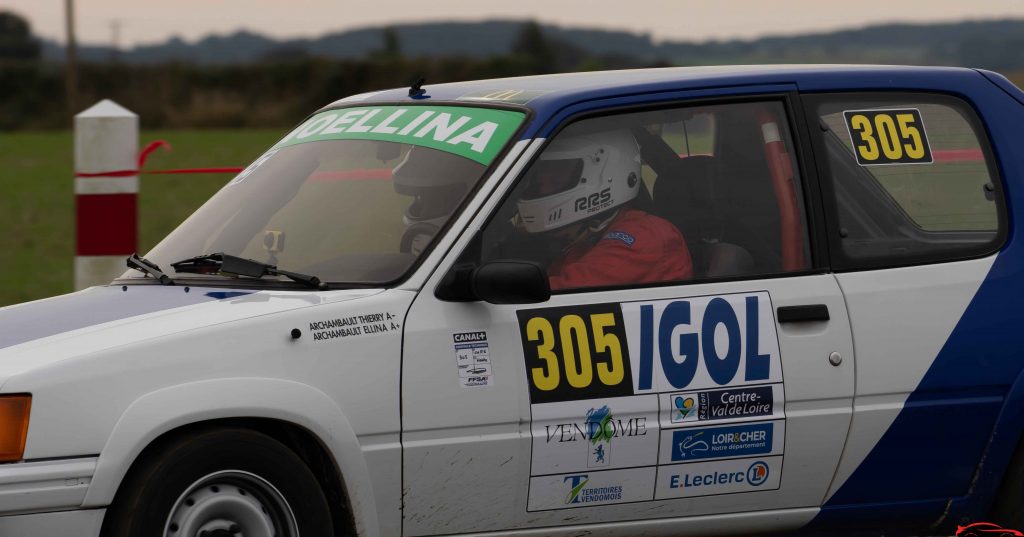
x: 220, y: 483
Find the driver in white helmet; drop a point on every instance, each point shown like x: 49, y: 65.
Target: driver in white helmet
x: 437, y: 186
x: 579, y: 192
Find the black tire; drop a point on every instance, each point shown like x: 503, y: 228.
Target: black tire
x: 1008, y: 507
x: 156, y: 486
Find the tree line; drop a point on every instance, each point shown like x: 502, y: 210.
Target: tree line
x: 277, y: 91
x: 286, y: 82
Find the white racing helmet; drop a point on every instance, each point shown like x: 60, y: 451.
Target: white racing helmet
x: 579, y: 177
x: 437, y: 185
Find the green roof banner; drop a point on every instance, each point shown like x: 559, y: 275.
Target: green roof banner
x: 474, y: 133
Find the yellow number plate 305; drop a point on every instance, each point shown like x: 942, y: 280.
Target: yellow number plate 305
x: 888, y: 136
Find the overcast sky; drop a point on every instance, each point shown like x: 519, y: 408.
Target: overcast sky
x: 147, y: 21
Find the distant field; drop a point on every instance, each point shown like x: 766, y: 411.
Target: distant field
x: 37, y: 199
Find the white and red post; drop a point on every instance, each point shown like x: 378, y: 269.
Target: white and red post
x: 106, y: 192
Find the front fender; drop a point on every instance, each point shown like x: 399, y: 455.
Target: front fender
x: 166, y: 409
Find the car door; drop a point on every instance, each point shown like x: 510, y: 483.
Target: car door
x: 917, y: 216
x: 728, y: 390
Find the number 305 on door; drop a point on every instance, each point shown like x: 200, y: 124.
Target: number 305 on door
x: 574, y: 353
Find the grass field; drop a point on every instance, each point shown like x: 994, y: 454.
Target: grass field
x: 37, y: 232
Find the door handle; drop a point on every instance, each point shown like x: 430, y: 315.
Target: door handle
x: 803, y: 314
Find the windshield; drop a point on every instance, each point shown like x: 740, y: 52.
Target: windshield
x: 355, y: 195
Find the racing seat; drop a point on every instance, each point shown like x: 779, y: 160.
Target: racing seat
x: 746, y: 203
x: 687, y: 200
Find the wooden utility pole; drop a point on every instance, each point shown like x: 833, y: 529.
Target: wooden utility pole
x: 71, y: 60
x: 115, y: 41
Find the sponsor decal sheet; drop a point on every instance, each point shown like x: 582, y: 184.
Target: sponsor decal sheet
x: 643, y: 401
x: 473, y: 359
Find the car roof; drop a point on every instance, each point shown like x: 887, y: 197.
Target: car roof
x: 547, y: 90
x: 549, y: 96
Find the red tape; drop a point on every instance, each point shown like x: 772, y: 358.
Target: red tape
x: 144, y: 154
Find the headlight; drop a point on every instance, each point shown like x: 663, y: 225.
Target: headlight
x: 14, y: 410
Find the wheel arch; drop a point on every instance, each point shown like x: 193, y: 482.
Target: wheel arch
x: 1005, y: 443
x: 300, y: 416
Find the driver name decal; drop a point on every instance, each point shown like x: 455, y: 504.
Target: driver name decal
x: 354, y: 325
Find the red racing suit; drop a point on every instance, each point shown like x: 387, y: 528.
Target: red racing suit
x: 635, y: 247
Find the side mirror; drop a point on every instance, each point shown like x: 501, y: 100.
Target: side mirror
x: 511, y: 282
x: 496, y: 282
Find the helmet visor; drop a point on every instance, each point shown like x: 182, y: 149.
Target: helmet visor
x: 549, y: 177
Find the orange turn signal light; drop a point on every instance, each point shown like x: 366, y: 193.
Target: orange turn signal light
x: 14, y: 411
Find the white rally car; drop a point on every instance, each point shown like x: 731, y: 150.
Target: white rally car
x: 667, y: 302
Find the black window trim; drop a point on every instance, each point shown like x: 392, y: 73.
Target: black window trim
x: 838, y: 260
x: 810, y: 187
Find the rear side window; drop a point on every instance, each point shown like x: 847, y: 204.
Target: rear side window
x: 910, y: 179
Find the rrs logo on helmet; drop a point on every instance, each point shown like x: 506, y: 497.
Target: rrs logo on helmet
x: 594, y: 202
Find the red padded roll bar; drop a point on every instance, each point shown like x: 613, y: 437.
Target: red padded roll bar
x: 781, y: 166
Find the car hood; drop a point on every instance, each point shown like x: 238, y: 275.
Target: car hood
x: 36, y: 334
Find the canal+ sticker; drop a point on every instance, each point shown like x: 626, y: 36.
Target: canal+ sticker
x: 473, y: 359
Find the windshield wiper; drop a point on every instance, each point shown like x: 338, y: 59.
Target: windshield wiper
x: 221, y: 263
x: 146, y: 266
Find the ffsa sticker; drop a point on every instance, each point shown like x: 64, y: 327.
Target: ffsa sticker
x: 888, y: 136
x: 473, y: 359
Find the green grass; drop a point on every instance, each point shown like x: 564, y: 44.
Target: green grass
x: 37, y: 232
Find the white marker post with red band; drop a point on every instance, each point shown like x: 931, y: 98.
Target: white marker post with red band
x: 106, y: 192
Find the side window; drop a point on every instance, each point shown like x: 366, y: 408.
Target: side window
x: 670, y: 195
x: 911, y: 179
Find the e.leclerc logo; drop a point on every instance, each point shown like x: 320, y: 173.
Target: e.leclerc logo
x: 755, y: 475
x: 579, y: 493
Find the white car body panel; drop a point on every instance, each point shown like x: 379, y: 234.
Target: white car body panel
x: 92, y: 397
x: 925, y: 303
